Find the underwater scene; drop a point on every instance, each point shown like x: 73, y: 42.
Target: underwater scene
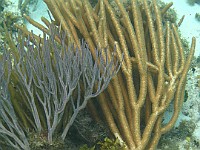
x: 99, y: 74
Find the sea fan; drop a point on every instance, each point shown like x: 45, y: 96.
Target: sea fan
x: 52, y: 82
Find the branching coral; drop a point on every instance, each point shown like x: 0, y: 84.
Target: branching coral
x: 11, y: 132
x: 153, y: 73
x: 52, y: 82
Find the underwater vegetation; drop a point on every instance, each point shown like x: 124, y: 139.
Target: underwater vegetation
x: 9, y: 18
x: 45, y: 84
x: 23, y: 5
x: 107, y: 144
x: 192, y: 2
x: 53, y: 78
x: 197, y: 16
